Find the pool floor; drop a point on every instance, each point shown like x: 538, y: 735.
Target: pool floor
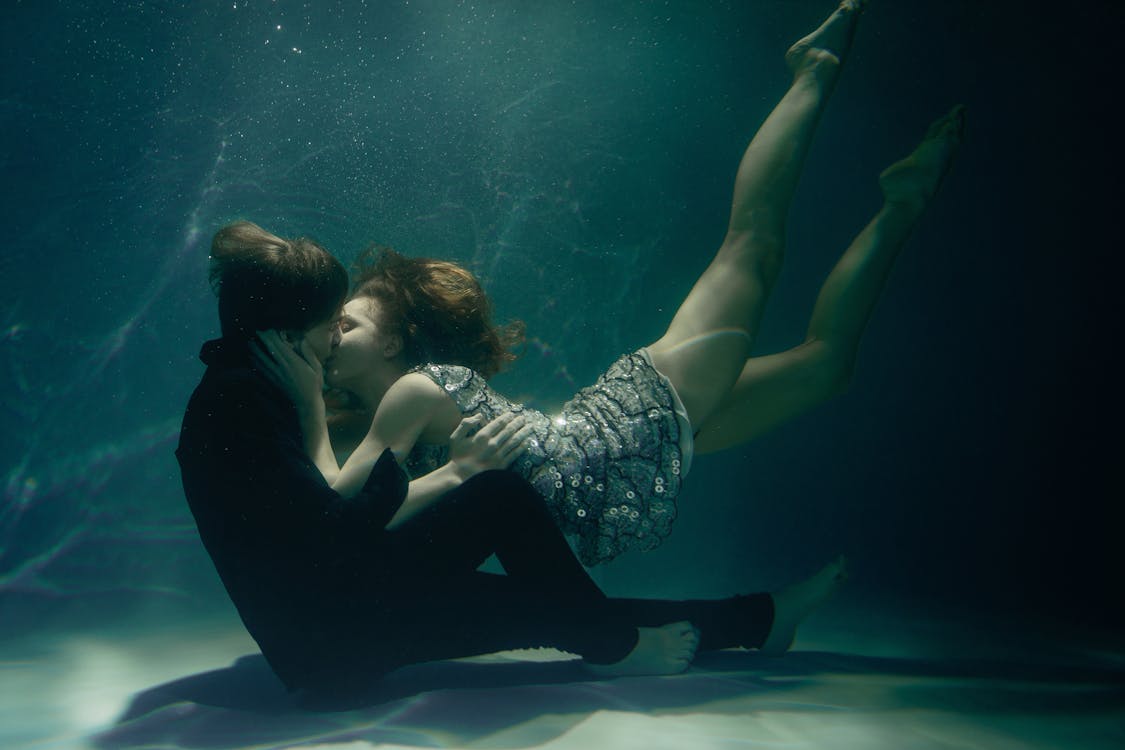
x: 854, y: 680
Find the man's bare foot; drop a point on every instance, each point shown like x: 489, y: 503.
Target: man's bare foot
x: 793, y: 604
x: 824, y: 51
x: 915, y: 179
x: 668, y: 649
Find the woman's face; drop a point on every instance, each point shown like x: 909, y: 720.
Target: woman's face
x: 362, y: 347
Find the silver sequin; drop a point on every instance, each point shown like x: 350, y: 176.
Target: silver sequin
x: 618, y: 434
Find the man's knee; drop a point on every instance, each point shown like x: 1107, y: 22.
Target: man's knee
x: 499, y: 479
x: 502, y: 488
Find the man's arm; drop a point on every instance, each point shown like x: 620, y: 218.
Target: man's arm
x: 242, y: 453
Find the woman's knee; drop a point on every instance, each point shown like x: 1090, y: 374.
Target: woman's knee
x: 834, y: 366
x: 759, y: 251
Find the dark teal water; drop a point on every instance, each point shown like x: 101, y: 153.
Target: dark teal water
x: 578, y: 156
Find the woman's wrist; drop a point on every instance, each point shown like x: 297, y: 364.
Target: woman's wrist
x: 460, y: 472
x: 312, y: 409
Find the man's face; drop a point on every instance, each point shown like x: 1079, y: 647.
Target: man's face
x: 321, y: 337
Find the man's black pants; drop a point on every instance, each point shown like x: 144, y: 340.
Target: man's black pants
x: 442, y: 607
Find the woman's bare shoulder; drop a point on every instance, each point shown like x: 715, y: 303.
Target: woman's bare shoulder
x: 416, y: 397
x: 414, y: 387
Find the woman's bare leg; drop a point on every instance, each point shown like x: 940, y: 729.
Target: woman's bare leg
x: 774, y: 389
x: 707, y: 344
x: 794, y: 603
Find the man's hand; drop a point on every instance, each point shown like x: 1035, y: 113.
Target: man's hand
x: 474, y: 448
x: 295, y: 370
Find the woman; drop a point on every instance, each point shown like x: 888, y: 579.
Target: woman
x: 415, y: 340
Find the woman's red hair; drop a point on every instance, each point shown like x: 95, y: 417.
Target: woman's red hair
x: 438, y: 308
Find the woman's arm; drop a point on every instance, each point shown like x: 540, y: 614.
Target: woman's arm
x: 472, y: 451
x: 406, y: 410
x: 410, y: 406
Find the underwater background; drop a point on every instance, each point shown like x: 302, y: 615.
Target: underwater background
x: 579, y: 157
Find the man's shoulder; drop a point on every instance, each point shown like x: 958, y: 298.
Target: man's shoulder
x: 236, y: 385
x: 235, y: 399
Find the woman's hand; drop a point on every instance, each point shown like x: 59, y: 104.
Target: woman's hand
x: 293, y: 369
x: 474, y: 448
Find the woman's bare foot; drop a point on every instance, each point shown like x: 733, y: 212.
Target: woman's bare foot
x: 824, y: 51
x: 915, y: 179
x: 668, y: 649
x: 793, y: 604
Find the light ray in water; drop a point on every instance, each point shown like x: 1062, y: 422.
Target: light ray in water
x: 64, y: 476
x: 530, y: 94
x: 68, y: 479
x: 13, y: 333
x: 117, y: 340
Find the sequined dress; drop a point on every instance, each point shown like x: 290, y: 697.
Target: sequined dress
x: 609, y: 464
